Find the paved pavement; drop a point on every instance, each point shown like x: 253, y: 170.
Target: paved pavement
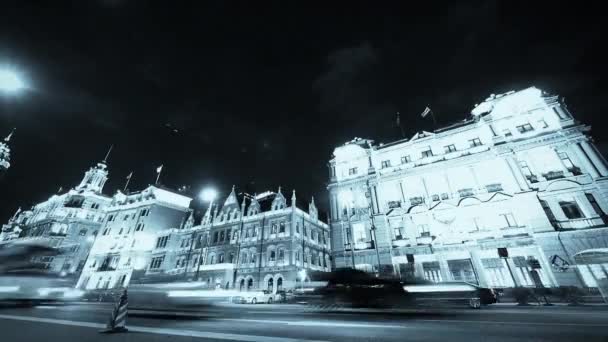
x: 290, y: 323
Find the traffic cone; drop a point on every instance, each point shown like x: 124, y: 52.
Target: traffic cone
x: 118, y: 320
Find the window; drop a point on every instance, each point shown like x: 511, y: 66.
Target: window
x: 543, y: 123
x: 352, y: 171
x: 406, y: 159
x: 423, y: 229
x: 563, y: 156
x: 444, y: 196
x: 297, y: 255
x: 468, y: 192
x: 220, y: 259
x: 281, y: 255
x: 397, y: 231
x: 506, y: 132
x: 494, y: 187
x: 416, y: 200
x: 106, y: 231
x: 305, y: 231
x: 255, y: 231
x: 524, y: 128
x: 162, y: 242
x: 252, y: 258
x: 126, y: 217
x: 525, y: 168
x: 282, y: 227
x: 157, y: 262
x: 82, y: 232
x: 509, y: 219
x: 272, y: 256
x: 297, y: 227
x: 222, y: 236
x: 450, y: 148
x: 145, y: 212
x: 247, y: 233
x: 435, y: 198
x: 386, y: 163
x: 215, y: 236
x: 120, y: 231
x: 427, y: 153
x: 110, y: 218
x: 235, y: 235
x: 475, y: 142
x: 139, y: 227
x: 571, y: 210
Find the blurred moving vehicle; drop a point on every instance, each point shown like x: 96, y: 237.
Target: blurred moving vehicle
x: 185, y: 295
x: 450, y: 293
x: 28, y: 282
x: 358, y: 289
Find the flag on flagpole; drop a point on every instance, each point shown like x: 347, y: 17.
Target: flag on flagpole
x: 426, y: 112
x: 159, y: 169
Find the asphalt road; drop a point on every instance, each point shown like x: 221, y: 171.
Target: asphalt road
x: 289, y: 323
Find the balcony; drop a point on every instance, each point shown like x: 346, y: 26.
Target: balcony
x: 580, y: 223
x: 104, y: 268
x: 575, y: 170
x: 532, y: 178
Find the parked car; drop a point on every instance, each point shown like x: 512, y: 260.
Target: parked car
x: 254, y: 297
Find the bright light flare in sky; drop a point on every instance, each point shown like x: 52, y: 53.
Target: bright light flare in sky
x: 10, y: 81
x: 208, y: 195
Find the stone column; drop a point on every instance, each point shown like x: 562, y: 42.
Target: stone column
x: 517, y: 174
x: 443, y: 267
x: 595, y: 158
x: 580, y: 153
x: 479, y: 270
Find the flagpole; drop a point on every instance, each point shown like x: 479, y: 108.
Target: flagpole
x: 105, y: 160
x: 128, y: 180
x: 158, y: 176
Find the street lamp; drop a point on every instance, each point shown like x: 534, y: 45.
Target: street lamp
x: 207, y: 195
x: 10, y: 81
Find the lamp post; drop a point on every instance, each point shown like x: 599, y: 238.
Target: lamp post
x: 368, y: 195
x: 207, y: 195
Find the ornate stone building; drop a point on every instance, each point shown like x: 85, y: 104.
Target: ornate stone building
x: 519, y: 173
x: 263, y: 245
x: 69, y: 221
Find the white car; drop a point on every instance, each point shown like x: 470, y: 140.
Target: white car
x: 255, y: 297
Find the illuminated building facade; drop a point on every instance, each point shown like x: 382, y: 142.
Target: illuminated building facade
x: 69, y: 221
x: 128, y: 234
x: 520, y: 173
x: 263, y: 245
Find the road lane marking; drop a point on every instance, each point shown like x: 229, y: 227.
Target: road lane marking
x: 511, y: 322
x: 162, y: 331
x: 315, y: 323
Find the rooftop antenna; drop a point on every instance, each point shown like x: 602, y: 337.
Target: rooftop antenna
x: 105, y: 160
x: 8, y: 137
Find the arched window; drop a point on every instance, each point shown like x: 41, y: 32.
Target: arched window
x: 273, y: 230
x: 282, y: 227
x: 212, y: 260
x: 249, y: 284
x: 279, y: 284
x: 247, y: 233
x: 221, y: 258
x: 252, y: 258
x: 272, y: 255
x: 281, y: 255
x: 270, y: 284
x: 241, y: 284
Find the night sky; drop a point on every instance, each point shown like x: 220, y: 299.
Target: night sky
x: 260, y: 94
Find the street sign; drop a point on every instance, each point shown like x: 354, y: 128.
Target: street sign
x: 503, y: 252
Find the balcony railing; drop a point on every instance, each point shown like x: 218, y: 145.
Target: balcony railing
x: 591, y: 222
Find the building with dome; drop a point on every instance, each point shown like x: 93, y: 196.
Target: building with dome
x: 519, y: 175
x: 68, y: 220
